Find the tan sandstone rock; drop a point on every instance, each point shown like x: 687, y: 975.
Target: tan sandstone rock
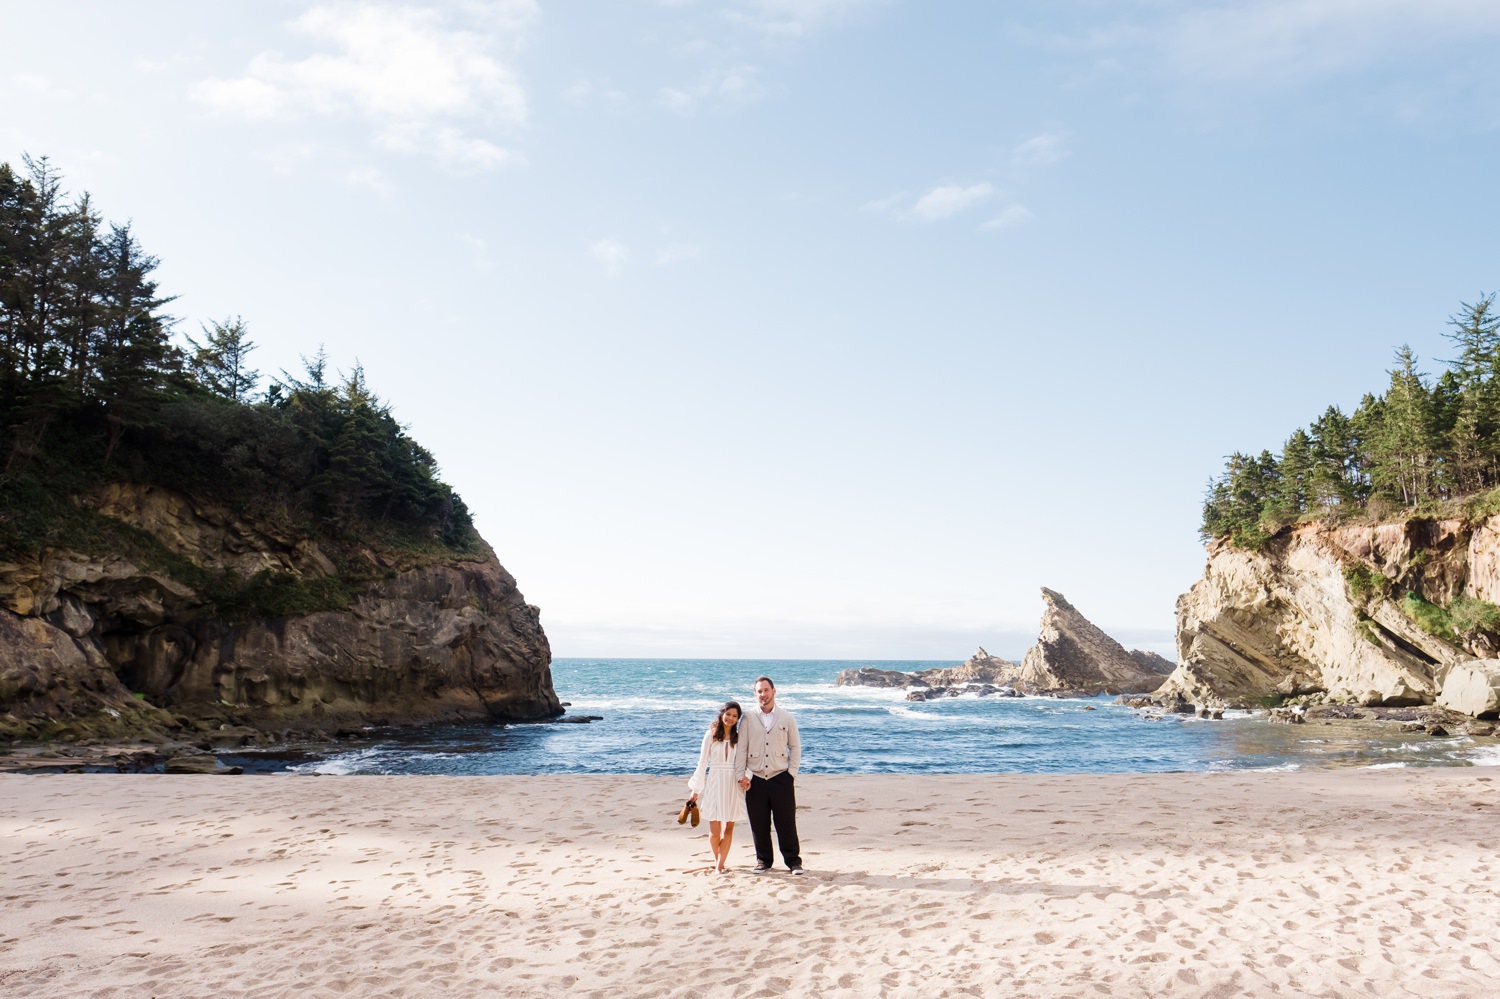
x: 1285, y: 622
x: 1473, y: 688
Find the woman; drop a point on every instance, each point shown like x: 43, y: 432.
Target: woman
x: 713, y: 784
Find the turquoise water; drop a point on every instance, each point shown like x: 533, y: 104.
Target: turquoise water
x: 654, y: 711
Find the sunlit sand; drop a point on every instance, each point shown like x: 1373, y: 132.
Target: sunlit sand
x: 1348, y: 883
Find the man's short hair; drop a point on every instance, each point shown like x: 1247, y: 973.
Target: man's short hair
x: 767, y: 679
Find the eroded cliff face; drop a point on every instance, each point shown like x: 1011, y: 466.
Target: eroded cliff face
x: 1321, y: 611
x: 109, y: 648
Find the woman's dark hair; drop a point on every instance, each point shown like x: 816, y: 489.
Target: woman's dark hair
x: 718, y: 727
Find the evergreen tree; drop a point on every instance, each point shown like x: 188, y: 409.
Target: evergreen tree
x: 1476, y: 334
x: 1296, y: 472
x: 221, y: 361
x: 1332, y: 479
x: 1237, y: 501
x: 1404, y: 451
x: 355, y: 474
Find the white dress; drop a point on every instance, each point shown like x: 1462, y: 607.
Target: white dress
x: 719, y: 796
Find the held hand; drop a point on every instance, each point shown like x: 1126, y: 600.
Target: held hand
x: 744, y: 783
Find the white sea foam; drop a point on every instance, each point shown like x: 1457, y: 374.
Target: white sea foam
x: 1387, y: 766
x: 580, y: 704
x: 1230, y: 767
x: 846, y: 693
x: 1484, y: 756
x: 341, y: 765
x: 902, y: 711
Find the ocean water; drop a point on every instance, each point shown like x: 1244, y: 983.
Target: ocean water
x: 653, y: 713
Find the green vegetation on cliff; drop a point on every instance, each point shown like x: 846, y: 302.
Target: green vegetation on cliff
x: 1422, y: 443
x: 94, y: 391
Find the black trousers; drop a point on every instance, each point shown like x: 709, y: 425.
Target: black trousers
x: 768, y: 799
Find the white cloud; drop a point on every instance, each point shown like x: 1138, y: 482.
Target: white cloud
x: 479, y: 253
x: 448, y: 144
x: 41, y: 85
x: 1040, y: 150
x: 1314, y: 36
x: 740, y: 85
x: 247, y: 97
x: 886, y: 206
x: 1009, y: 218
x: 371, y: 180
x: 948, y: 200
x: 1280, y: 42
x: 405, y: 69
x: 676, y: 252
x: 612, y: 254
x: 794, y: 18
x: 587, y: 91
x: 676, y: 100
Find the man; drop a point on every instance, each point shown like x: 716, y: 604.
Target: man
x: 773, y: 755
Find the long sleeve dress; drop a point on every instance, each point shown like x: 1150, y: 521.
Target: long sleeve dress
x: 719, y: 796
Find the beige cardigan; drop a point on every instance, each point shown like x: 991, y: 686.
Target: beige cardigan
x: 769, y: 753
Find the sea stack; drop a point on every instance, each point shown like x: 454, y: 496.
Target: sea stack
x: 1072, y: 655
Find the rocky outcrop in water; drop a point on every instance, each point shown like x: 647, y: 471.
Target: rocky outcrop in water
x: 1377, y: 614
x: 121, y: 647
x: 1073, y: 655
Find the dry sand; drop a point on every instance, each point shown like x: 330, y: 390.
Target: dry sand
x: 1369, y: 883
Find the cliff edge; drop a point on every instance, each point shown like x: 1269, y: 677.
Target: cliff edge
x: 1378, y: 614
x: 170, y: 633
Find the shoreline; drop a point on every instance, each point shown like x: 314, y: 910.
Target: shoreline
x: 1330, y: 883
x: 1350, y: 723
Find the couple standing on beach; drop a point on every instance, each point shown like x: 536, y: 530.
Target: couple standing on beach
x: 748, y: 766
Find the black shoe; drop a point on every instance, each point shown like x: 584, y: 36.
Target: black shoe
x: 797, y: 869
x: 761, y: 868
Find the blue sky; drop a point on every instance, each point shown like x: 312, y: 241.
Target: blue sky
x: 824, y: 328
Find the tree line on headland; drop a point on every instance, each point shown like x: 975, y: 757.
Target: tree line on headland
x: 95, y: 389
x: 1421, y: 442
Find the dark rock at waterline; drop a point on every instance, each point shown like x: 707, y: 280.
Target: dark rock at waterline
x: 870, y: 676
x: 203, y: 763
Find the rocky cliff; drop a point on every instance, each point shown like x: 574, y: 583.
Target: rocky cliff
x: 1072, y: 654
x: 95, y: 647
x: 1376, y: 614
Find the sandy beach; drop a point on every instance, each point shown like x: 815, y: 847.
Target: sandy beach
x: 1347, y: 883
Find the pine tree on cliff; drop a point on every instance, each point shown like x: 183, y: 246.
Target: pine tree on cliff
x: 80, y: 318
x: 1472, y: 430
x: 221, y: 361
x: 137, y: 361
x: 1334, y: 477
x: 1404, y: 451
x: 1296, y: 468
x: 355, y: 474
